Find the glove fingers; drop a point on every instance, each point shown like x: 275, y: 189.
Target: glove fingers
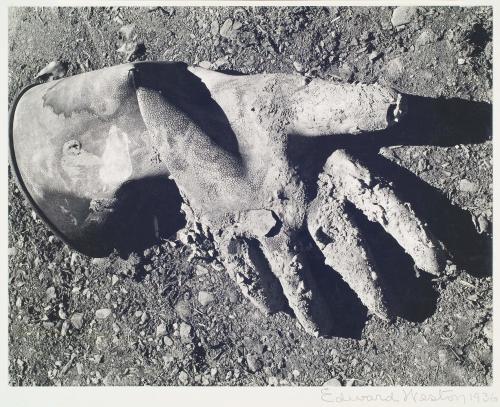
x: 313, y: 108
x: 248, y: 267
x: 329, y: 108
x: 346, y: 251
x: 298, y: 284
x: 377, y: 200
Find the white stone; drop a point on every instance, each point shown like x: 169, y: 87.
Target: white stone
x: 403, y: 15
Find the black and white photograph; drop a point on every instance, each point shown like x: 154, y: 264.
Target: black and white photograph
x: 251, y: 195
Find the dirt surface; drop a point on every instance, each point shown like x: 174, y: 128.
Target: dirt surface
x: 169, y: 314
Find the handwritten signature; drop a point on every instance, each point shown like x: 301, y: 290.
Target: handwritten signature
x: 332, y: 395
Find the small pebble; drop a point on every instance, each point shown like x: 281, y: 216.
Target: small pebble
x: 233, y: 297
x: 50, y: 293
x: 183, y: 309
x: 214, y: 27
x: 482, y: 223
x: 374, y: 55
x: 403, y: 15
x: 488, y: 330
x: 488, y: 50
x: 200, y: 270
x: 394, y: 68
x: 426, y: 37
x: 102, y: 313
x: 183, y: 378
x: 346, y: 72
x: 467, y: 186
x: 77, y: 320
x: 64, y: 328
x: 272, y: 381
x: 298, y: 66
x: 126, y: 31
x: 205, y: 298
x: 74, y: 259
x: 332, y: 382
x: 101, y: 343
x: 254, y: 363
x: 185, y: 331
x: 443, y: 357
x: 161, y: 330
x: 226, y: 28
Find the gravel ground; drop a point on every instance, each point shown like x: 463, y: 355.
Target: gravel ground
x: 169, y: 315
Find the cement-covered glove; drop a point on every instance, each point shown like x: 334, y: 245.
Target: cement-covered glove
x: 225, y: 141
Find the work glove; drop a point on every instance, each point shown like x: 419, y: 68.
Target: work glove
x: 226, y: 142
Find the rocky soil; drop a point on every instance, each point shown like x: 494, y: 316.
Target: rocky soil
x: 169, y: 315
